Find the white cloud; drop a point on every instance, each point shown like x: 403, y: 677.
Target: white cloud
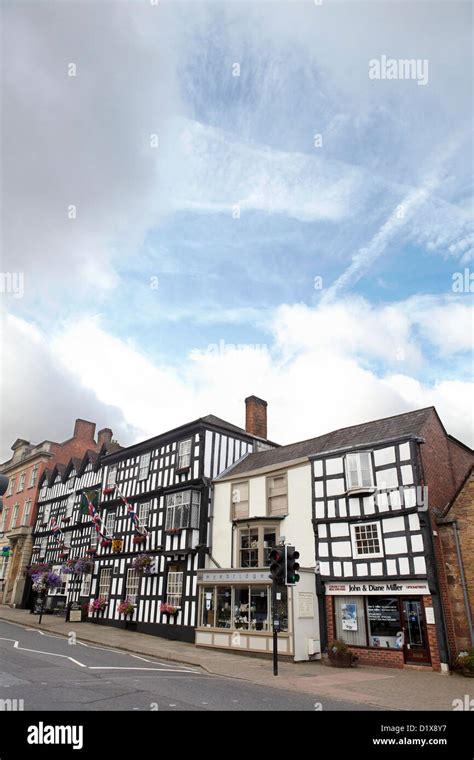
x: 321, y: 368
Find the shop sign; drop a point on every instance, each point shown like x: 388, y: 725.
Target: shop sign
x: 413, y: 588
x: 232, y: 576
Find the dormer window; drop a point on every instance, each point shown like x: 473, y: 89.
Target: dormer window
x: 359, y: 475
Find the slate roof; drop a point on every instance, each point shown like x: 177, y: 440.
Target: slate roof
x: 398, y: 426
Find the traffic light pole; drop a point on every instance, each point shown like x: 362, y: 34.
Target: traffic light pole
x: 275, y: 629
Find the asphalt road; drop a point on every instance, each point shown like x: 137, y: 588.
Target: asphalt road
x: 49, y: 673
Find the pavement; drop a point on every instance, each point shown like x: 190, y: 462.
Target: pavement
x: 366, y: 686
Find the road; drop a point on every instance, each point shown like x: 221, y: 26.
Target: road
x: 48, y: 672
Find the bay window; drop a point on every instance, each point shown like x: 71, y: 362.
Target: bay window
x: 255, y: 544
x: 182, y: 510
x: 241, y: 607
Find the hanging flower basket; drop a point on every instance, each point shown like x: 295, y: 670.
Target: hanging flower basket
x: 107, y: 491
x: 140, y: 539
x: 66, y: 519
x: 126, y: 607
x: 81, y: 566
x: 91, y: 551
x: 98, y: 605
x: 106, y: 542
x: 142, y: 563
x: 168, y: 609
x: 63, y: 555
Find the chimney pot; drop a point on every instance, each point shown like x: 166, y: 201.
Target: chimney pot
x: 256, y: 416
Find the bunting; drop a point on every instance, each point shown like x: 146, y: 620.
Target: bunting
x: 89, y: 497
x: 133, y: 515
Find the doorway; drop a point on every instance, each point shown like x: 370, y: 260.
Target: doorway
x: 416, y: 648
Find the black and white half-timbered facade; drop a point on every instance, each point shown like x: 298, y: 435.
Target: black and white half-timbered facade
x: 372, y: 496
x: 154, y: 504
x: 63, y: 531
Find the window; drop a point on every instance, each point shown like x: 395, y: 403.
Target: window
x: 359, y: 471
x: 184, y: 454
x: 26, y: 512
x: 6, y: 510
x: 143, y: 512
x: 174, y: 586
x: 255, y: 545
x: 182, y: 510
x: 277, y: 495
x: 244, y: 608
x: 21, y: 482
x: 385, y: 627
x: 112, y: 476
x: 366, y: 540
x: 58, y: 590
x: 240, y: 500
x: 104, y: 582
x: 3, y: 567
x: 110, y: 524
x: 69, y: 506
x: 67, y: 540
x: 46, y: 513
x: 132, y: 584
x: 93, y: 538
x: 144, y: 466
x: 86, y: 585
x: 16, y: 509
x: 11, y: 486
x: 34, y: 475
x: 43, y: 545
x: 349, y: 614
x: 71, y: 480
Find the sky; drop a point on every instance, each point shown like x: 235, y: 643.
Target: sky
x: 205, y: 201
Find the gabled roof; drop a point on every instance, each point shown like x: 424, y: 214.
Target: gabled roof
x: 366, y: 433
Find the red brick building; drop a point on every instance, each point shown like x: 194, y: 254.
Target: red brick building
x: 454, y: 529
x: 24, y: 470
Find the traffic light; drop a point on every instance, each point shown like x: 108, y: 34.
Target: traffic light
x: 291, y: 566
x: 277, y: 565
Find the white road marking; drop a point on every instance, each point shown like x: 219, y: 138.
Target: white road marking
x: 161, y: 670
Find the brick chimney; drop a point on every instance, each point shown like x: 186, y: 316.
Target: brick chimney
x: 104, y: 436
x: 84, y: 430
x: 256, y: 416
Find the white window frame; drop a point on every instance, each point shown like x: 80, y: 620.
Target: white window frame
x: 21, y: 482
x: 111, y: 476
x: 106, y: 572
x: 26, y: 511
x: 132, y: 585
x: 174, y: 588
x: 355, y: 549
x: 86, y: 585
x: 240, y: 506
x: 71, y: 481
x: 46, y: 513
x: 70, y: 505
x: 34, y: 475
x: 15, y: 513
x: 11, y: 486
x: 62, y: 589
x: 144, y: 466
x: 6, y: 511
x: 277, y: 491
x: 43, y: 545
x: 184, y: 454
x: 3, y: 566
x: 143, y: 514
x: 93, y: 541
x: 182, y: 510
x: 359, y: 486
x: 110, y: 521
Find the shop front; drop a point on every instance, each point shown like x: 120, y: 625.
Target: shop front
x: 384, y: 623
x: 235, y: 611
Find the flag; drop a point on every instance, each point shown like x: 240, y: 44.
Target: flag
x: 132, y: 514
x: 88, y: 499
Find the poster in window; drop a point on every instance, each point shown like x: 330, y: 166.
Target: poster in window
x: 349, y: 617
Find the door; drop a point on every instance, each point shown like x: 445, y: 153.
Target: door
x: 416, y: 648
